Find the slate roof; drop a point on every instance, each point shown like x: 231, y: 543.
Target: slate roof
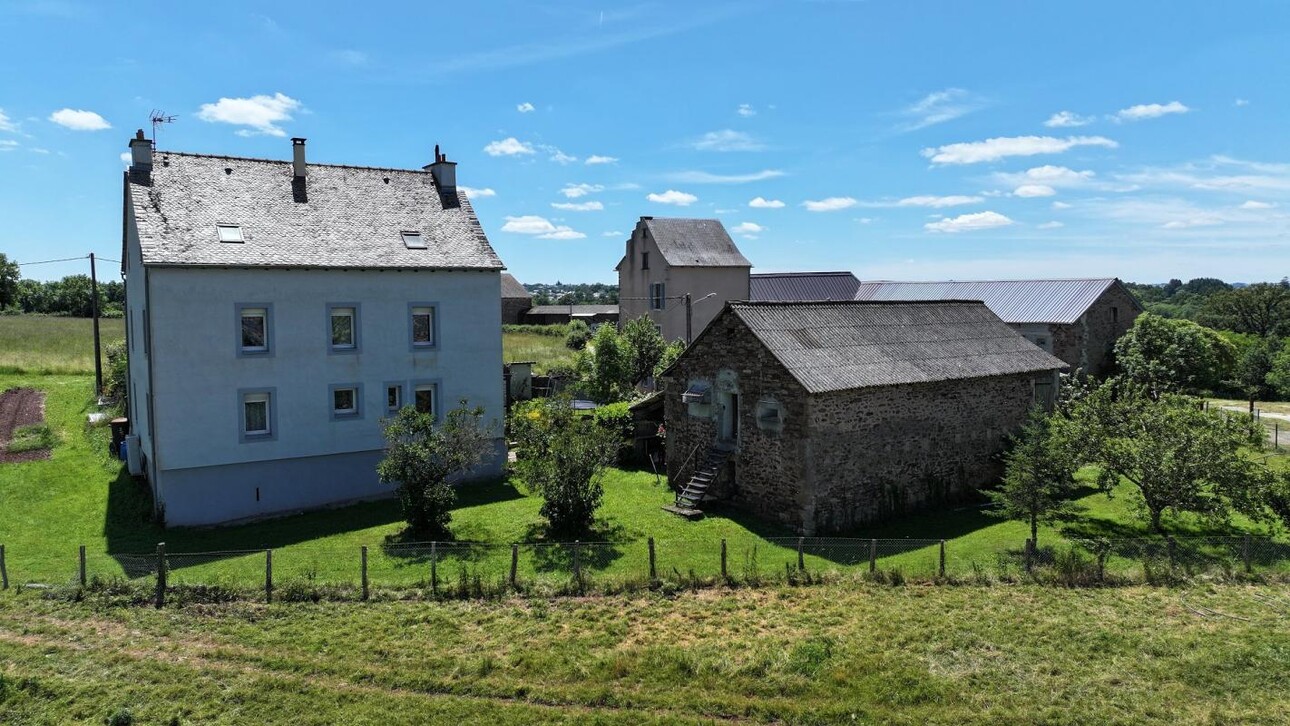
x: 576, y: 310
x: 694, y: 242
x: 511, y: 288
x: 801, y: 286
x: 352, y: 216
x: 838, y: 346
x: 1015, y: 301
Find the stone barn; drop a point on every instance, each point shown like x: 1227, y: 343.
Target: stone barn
x: 826, y: 415
x: 515, y: 300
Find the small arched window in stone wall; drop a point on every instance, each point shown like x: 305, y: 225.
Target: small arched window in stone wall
x: 770, y: 415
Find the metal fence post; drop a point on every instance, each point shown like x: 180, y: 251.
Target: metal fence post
x: 515, y: 563
x: 4, y: 571
x: 653, y: 571
x: 1030, y: 554
x: 363, y: 565
x: 801, y: 562
x: 1245, y: 554
x: 81, y: 568
x: 873, y: 556
x: 268, y: 575
x: 942, y: 558
x: 434, y: 570
x: 723, y: 558
x: 161, y: 574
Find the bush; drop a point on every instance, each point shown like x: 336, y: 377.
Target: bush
x: 118, y: 364
x: 577, y: 335
x: 562, y: 457
x: 617, y: 419
x: 554, y: 331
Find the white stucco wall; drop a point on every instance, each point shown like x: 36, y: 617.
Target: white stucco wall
x: 136, y: 322
x: 197, y: 371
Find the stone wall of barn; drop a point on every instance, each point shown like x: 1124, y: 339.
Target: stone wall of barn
x: 1087, y: 343
x: 513, y: 309
x: 873, y: 453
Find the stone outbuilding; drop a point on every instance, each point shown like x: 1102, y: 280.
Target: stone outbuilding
x: 515, y: 300
x: 827, y: 415
x: 1077, y: 320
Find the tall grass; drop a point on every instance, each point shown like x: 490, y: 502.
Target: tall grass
x: 47, y: 344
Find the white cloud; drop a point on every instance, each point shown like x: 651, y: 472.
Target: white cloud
x: 727, y: 140
x: 703, y: 177
x: 597, y: 159
x: 1034, y: 190
x: 832, y: 204
x: 525, y: 107
x: 1252, y: 204
x: 560, y: 157
x: 473, y: 193
x: 38, y: 150
x: 1067, y: 119
x: 261, y: 113
x: 1261, y: 176
x: 1149, y: 110
x: 969, y: 222
x: 1242, y: 102
x: 973, y: 152
x: 952, y: 200
x: 746, y: 110
x: 1061, y: 205
x: 763, y: 203
x: 1057, y: 175
x: 573, y: 191
x: 1051, y: 225
x: 509, y: 146
x: 579, y: 206
x: 671, y: 196
x: 1204, y: 220
x: 126, y: 158
x: 6, y: 124
x: 541, y: 227
x: 864, y: 220
x: 611, y: 233
x: 351, y: 57
x: 939, y: 107
x: 78, y: 120
x: 746, y: 228
x: 8, y: 145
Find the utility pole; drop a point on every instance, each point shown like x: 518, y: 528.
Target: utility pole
x: 689, y: 320
x: 94, y: 313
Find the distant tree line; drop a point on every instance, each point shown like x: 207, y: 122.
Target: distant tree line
x: 69, y: 296
x: 560, y: 293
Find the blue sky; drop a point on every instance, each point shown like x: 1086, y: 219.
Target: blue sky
x: 899, y: 140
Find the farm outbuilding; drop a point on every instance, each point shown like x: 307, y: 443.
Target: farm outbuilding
x: 824, y: 416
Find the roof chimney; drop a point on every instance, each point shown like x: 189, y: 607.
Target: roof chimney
x: 140, y: 153
x: 445, y: 177
x: 298, y: 157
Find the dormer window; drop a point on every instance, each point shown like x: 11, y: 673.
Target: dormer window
x: 413, y: 240
x: 229, y: 232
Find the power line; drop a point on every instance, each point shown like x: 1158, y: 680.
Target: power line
x: 46, y: 262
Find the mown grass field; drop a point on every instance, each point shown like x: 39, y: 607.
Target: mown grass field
x: 51, y: 344
x: 819, y: 655
x: 547, y: 351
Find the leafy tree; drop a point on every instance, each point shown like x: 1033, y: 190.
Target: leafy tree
x: 1262, y: 309
x: 1179, y: 457
x: 562, y: 457
x: 578, y: 335
x: 1172, y: 287
x: 1039, y: 475
x: 1255, y: 362
x: 644, y: 347
x: 1172, y: 355
x: 1279, y: 375
x: 1204, y: 286
x: 670, y: 354
x: 9, y: 276
x: 421, y: 456
x: 609, y: 365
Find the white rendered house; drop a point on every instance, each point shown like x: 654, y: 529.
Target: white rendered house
x: 278, y: 310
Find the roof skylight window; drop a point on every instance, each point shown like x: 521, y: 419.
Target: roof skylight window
x: 229, y: 233
x: 414, y: 240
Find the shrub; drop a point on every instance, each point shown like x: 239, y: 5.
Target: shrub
x: 577, y: 335
x: 114, y: 382
x: 562, y: 457
x: 617, y: 419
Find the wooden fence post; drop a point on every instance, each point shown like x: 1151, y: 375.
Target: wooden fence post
x: 4, y: 571
x: 161, y: 574
x: 653, y: 571
x: 1245, y: 554
x: 801, y: 562
x: 942, y: 558
x: 515, y: 563
x: 873, y: 556
x: 723, y: 558
x: 434, y: 569
x: 81, y: 568
x: 363, y: 565
x: 268, y: 575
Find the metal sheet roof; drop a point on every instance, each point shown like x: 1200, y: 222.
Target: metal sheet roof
x: 1014, y: 301
x: 694, y: 242
x: 802, y: 286
x: 844, y: 345
x: 572, y: 310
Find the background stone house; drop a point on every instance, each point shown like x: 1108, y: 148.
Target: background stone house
x: 838, y: 414
x: 1077, y: 320
x: 668, y: 258
x: 515, y: 300
x: 277, y: 310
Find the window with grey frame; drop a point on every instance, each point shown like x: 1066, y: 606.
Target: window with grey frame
x: 255, y: 329
x: 423, y: 326
x: 256, y: 414
x: 424, y: 397
x: 657, y: 300
x: 344, y: 327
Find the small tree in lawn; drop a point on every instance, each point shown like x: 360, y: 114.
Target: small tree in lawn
x: 644, y: 347
x: 562, y: 457
x: 1179, y: 457
x: 608, y: 365
x: 1038, y: 476
x: 421, y: 456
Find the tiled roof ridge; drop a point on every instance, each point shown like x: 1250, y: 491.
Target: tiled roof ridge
x: 288, y: 162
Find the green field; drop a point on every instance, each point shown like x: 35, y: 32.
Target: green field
x: 547, y: 351
x: 51, y: 344
x: 1215, y: 654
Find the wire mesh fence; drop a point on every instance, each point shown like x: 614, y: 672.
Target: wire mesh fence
x: 479, y: 569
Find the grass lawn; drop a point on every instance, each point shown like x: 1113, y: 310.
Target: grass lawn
x: 827, y: 654
x: 80, y: 496
x: 1277, y: 407
x: 547, y: 350
x: 51, y: 344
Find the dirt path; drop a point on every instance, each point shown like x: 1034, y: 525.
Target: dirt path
x: 20, y: 407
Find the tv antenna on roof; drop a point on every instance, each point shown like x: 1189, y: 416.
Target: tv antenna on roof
x: 158, y: 117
